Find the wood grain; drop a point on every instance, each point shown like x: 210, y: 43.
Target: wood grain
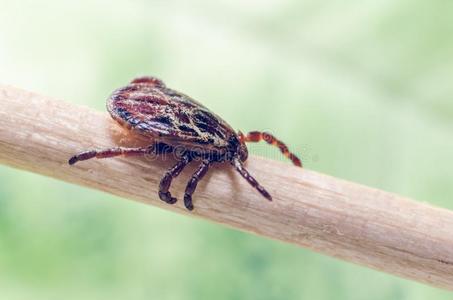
x: 328, y: 215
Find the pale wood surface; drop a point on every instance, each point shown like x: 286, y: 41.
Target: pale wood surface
x: 332, y: 216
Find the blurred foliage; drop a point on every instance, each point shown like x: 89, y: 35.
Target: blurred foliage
x: 362, y: 90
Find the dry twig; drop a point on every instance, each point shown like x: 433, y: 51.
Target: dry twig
x: 338, y: 218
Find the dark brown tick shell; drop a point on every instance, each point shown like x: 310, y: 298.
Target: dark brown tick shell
x: 160, y: 113
x: 174, y: 121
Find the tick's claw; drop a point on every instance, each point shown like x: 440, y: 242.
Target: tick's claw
x: 188, y: 202
x: 73, y: 160
x: 266, y: 195
x: 87, y: 155
x: 172, y: 200
x: 167, y: 198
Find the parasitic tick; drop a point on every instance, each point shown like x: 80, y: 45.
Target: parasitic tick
x: 176, y: 123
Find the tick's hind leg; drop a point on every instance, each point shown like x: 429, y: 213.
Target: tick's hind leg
x: 256, y: 136
x: 193, y: 182
x: 110, y: 153
x: 165, y: 183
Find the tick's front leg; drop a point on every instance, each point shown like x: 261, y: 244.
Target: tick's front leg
x: 250, y: 179
x: 257, y: 136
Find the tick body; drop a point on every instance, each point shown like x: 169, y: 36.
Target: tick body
x: 176, y: 123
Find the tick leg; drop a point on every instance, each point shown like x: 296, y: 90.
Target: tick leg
x: 240, y: 168
x: 193, y: 182
x: 165, y: 183
x: 257, y: 136
x: 111, y: 153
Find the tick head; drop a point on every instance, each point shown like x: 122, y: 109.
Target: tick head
x: 242, y: 150
x: 237, y: 148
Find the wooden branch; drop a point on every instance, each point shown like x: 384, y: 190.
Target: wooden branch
x: 338, y: 218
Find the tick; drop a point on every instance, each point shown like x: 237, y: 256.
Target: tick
x: 176, y: 123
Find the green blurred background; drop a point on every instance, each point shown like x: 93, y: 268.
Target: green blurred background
x: 361, y: 89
